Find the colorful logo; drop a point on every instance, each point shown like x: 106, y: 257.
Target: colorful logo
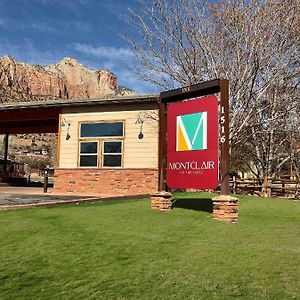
x: 191, y: 132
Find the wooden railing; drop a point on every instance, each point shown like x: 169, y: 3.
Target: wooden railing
x: 267, y: 187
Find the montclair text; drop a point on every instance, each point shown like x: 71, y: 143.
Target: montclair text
x: 192, y: 165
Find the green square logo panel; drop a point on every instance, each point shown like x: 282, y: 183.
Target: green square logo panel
x: 191, y: 132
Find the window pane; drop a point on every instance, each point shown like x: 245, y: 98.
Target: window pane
x: 101, y: 129
x: 112, y: 160
x: 89, y: 147
x: 88, y: 161
x: 112, y: 147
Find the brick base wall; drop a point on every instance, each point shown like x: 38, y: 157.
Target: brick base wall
x: 106, y: 181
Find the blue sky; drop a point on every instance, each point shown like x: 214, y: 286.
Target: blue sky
x: 44, y: 31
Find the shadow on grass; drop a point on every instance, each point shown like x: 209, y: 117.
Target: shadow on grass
x: 205, y: 205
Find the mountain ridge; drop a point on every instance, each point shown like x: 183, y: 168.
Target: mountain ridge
x: 66, y: 79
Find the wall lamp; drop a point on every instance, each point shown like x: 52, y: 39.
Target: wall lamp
x: 140, y: 121
x: 65, y: 123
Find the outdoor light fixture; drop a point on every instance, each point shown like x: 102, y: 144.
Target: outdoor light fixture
x: 65, y: 123
x: 140, y: 121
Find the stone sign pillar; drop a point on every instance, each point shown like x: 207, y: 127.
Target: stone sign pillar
x: 225, y: 208
x: 161, y: 201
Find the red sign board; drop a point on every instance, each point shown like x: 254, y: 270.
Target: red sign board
x: 192, y: 139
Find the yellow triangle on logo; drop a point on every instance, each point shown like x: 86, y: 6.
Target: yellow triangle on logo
x: 181, y: 142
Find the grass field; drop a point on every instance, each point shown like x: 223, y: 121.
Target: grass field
x: 123, y: 250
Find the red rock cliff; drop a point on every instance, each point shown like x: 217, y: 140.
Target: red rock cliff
x: 68, y: 79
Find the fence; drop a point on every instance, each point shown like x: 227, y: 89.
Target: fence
x: 267, y: 187
x: 11, y: 170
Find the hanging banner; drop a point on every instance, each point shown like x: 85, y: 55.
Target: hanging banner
x: 192, y: 144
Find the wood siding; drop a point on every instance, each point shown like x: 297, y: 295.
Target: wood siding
x: 137, y: 153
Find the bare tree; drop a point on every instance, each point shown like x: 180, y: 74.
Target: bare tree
x: 255, y: 44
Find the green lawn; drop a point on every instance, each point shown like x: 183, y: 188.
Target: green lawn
x: 123, y: 250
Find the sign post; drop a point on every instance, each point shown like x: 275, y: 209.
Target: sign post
x: 224, y: 136
x: 182, y: 128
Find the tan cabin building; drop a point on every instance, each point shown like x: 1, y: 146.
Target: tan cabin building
x: 105, y: 146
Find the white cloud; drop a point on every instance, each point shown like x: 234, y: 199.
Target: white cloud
x: 54, y: 2
x: 47, y: 26
x: 114, y: 7
x: 37, y: 26
x: 81, y: 26
x: 108, y: 53
x: 29, y: 53
x: 42, y: 27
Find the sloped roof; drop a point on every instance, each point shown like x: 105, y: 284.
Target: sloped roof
x: 152, y: 98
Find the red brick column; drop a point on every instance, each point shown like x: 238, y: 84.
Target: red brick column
x: 161, y: 201
x: 225, y: 209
